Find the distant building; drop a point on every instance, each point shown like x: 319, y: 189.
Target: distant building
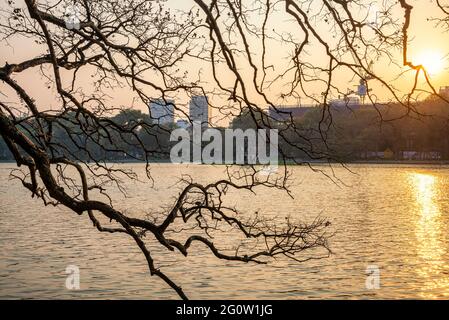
x: 199, y: 110
x: 283, y: 113
x: 388, y: 154
x: 425, y: 155
x: 162, y: 112
x: 345, y: 102
x: 370, y: 155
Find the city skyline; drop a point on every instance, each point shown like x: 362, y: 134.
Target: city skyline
x: 434, y: 55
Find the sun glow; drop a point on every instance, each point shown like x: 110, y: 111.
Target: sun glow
x: 429, y: 228
x: 432, y: 61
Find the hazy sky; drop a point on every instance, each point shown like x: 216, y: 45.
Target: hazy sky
x: 427, y: 41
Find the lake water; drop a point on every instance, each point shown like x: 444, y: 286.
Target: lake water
x: 395, y: 217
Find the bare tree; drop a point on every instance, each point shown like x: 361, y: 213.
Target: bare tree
x: 153, y: 49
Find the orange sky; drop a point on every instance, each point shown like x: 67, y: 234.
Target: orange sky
x: 426, y: 40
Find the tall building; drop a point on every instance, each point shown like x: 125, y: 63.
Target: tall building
x: 199, y: 110
x: 162, y: 112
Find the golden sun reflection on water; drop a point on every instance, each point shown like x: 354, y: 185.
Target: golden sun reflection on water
x: 430, y: 248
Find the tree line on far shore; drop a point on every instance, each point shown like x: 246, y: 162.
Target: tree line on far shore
x: 381, y: 132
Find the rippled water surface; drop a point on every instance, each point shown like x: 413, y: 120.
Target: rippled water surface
x: 394, y: 217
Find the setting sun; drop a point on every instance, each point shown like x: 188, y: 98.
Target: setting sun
x: 432, y: 61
